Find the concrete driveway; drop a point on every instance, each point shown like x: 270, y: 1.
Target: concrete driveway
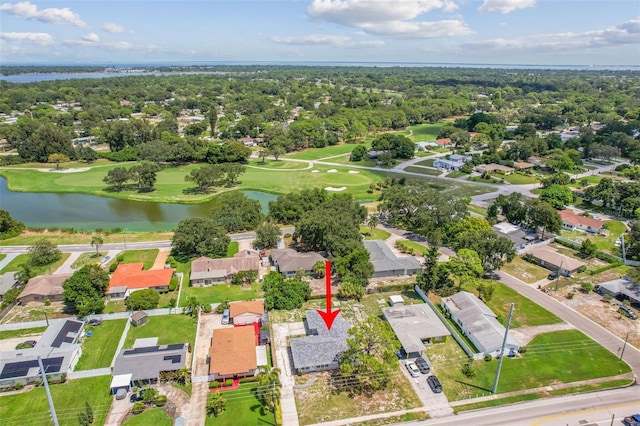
x: 437, y: 401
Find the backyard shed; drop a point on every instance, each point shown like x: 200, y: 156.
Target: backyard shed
x: 139, y: 318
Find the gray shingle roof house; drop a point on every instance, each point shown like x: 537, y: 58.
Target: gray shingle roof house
x: 206, y: 271
x: 147, y: 359
x: 416, y: 326
x: 57, y: 347
x: 386, y: 263
x: 321, y: 348
x: 289, y: 261
x: 478, y: 323
x: 622, y: 288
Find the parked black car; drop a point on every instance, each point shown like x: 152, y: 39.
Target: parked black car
x: 552, y: 276
x: 94, y: 322
x: 626, y: 311
x: 423, y: 365
x: 434, y: 384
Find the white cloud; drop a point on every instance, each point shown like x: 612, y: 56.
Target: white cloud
x: 91, y: 38
x: 342, y: 42
x: 409, y: 29
x: 505, y: 6
x: 41, y: 39
x: 626, y: 33
x: 389, y: 18
x: 52, y: 15
x: 114, y: 28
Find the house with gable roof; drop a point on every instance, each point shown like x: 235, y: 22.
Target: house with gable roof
x: 43, y: 288
x: 130, y: 277
x: 206, y: 271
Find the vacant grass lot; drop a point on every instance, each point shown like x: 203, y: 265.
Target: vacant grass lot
x: 525, y: 313
x: 20, y: 259
x: 525, y: 271
x: 31, y: 408
x: 243, y: 408
x: 99, y: 349
x: 423, y: 170
x: 321, y: 405
x: 87, y: 258
x: 426, y: 132
x: 220, y: 293
x: 551, y: 358
x: 154, y: 416
x: 169, y: 329
x: 428, y: 162
x: 520, y: 179
x: 28, y: 238
x: 147, y: 257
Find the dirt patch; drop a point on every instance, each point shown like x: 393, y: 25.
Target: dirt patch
x: 34, y: 311
x: 161, y: 259
x: 605, y: 314
x: 526, y: 334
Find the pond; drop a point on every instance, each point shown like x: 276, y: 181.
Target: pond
x: 88, y: 212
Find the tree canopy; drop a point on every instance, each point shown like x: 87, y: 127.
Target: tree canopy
x: 83, y: 292
x: 281, y: 293
x: 199, y: 236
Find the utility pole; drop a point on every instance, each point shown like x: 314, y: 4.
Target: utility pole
x: 558, y: 277
x: 504, y: 343
x: 624, y: 346
x: 52, y: 409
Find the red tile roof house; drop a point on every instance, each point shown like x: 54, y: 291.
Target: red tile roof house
x: 244, y: 313
x: 571, y: 222
x: 444, y: 142
x: 233, y: 353
x: 130, y: 277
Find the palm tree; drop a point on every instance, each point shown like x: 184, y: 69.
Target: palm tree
x: 216, y: 404
x: 319, y: 268
x: 97, y: 241
x: 25, y: 273
x: 269, y: 387
x: 372, y: 222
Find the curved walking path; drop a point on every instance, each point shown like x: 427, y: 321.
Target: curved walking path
x: 311, y: 381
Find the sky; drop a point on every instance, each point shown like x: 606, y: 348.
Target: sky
x: 537, y: 32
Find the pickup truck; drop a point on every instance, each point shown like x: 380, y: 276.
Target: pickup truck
x: 633, y: 420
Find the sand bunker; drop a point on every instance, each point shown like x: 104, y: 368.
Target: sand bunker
x: 354, y: 172
x: 315, y: 171
x: 332, y: 171
x: 331, y: 188
x: 76, y: 170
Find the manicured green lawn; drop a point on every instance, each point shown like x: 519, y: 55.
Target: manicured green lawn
x: 454, y: 175
x: 423, y: 170
x: 243, y: 408
x: 220, y: 293
x: 426, y: 132
x: 478, y: 210
x: 525, y: 271
x: 99, y: 349
x: 87, y: 258
x: 428, y: 162
x: 232, y: 249
x: 418, y: 248
x: 14, y: 265
x: 525, y: 312
x: 31, y: 408
x: 551, y: 358
x: 169, y: 329
x: 281, y: 164
x: 344, y: 159
x: 329, y: 151
x: 10, y: 334
x: 2, y: 256
x: 520, y: 179
x: 378, y: 234
x: 154, y: 416
x: 140, y: 256
x: 170, y: 184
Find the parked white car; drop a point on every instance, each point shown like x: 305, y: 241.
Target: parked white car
x: 412, y: 368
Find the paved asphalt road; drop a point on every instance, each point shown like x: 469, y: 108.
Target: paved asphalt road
x: 582, y: 323
x: 561, y: 411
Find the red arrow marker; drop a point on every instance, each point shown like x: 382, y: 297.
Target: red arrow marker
x: 328, y: 316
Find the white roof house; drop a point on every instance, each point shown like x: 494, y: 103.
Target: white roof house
x: 478, y: 323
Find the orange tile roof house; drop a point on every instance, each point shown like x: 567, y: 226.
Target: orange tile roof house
x: 233, y: 353
x: 206, y: 271
x: 572, y: 221
x: 43, y: 288
x: 444, y: 142
x: 130, y: 277
x: 242, y: 313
